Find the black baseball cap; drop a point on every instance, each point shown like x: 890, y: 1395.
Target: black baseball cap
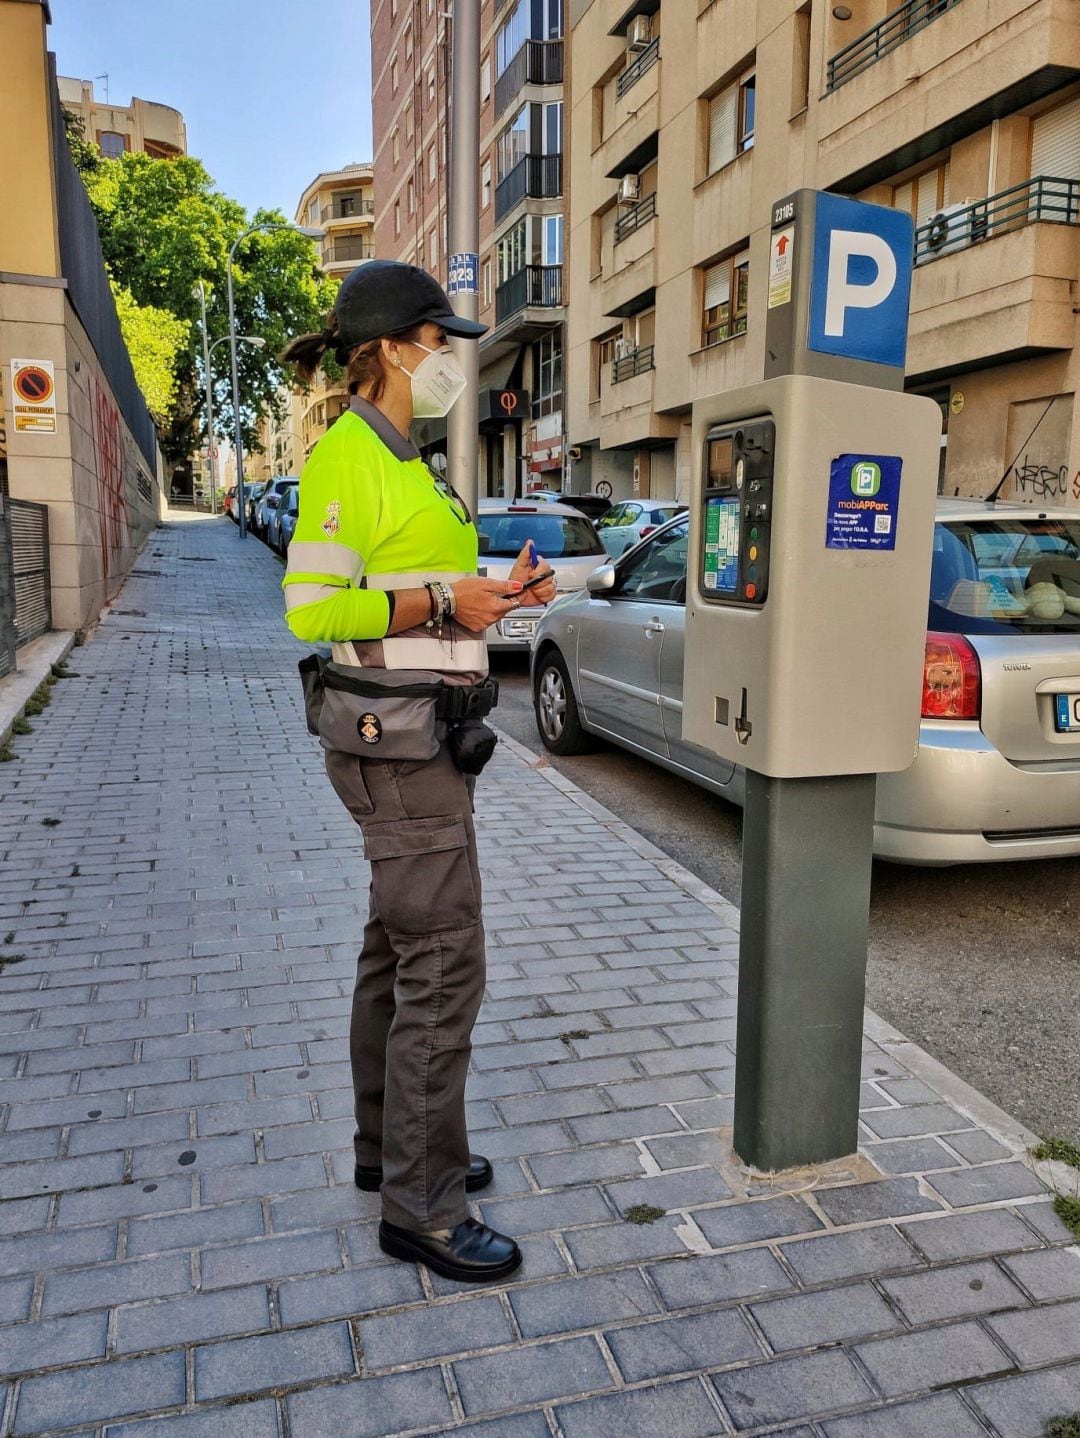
x: 384, y: 296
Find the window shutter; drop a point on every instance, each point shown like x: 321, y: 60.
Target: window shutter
x: 945, y: 185
x: 723, y: 123
x: 926, y: 197
x: 1055, y: 143
x: 717, y: 284
x: 902, y: 197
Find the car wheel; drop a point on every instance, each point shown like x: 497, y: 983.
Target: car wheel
x: 556, y: 708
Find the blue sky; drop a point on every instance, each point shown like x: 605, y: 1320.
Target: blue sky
x: 273, y: 91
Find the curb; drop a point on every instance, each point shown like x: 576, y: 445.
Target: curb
x: 37, y: 659
x: 967, y: 1100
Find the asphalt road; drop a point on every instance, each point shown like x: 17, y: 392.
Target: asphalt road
x: 978, y: 964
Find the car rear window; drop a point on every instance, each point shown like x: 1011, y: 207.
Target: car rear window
x: 1006, y: 575
x: 556, y: 536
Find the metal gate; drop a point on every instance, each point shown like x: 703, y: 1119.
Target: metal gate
x: 25, y: 588
x: 7, y: 593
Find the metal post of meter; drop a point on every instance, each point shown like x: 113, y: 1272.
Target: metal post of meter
x: 463, y: 422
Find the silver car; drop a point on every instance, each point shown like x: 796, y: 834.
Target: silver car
x: 268, y: 503
x: 283, y: 520
x: 631, y: 520
x: 998, y: 770
x: 563, y: 537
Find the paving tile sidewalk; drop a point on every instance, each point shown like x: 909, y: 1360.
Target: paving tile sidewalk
x: 182, y: 1252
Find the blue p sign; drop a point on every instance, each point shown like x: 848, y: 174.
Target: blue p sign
x: 861, y: 281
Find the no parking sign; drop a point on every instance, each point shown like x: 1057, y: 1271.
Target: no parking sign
x: 33, y: 384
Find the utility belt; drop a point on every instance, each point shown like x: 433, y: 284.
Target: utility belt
x: 403, y: 714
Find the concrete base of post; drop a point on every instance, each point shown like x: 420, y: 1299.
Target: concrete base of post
x: 807, y: 851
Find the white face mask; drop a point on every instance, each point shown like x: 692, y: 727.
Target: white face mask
x: 437, y: 382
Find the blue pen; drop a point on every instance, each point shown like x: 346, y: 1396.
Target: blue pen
x: 533, y: 560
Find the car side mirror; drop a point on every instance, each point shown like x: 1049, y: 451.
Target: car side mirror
x: 602, y: 580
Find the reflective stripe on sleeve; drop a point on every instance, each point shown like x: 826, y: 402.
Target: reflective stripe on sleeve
x: 414, y: 581
x: 323, y: 557
x: 301, y: 592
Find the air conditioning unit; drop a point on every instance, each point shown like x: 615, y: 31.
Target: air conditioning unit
x: 639, y: 33
x: 629, y: 189
x: 622, y: 347
x: 950, y: 229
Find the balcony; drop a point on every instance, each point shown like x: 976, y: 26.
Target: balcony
x: 538, y: 176
x: 538, y: 62
x: 1041, y: 199
x: 347, y: 251
x: 629, y: 366
x: 358, y: 210
x: 534, y: 287
x: 638, y: 67
x: 633, y: 218
x: 994, y: 279
x: 897, y: 27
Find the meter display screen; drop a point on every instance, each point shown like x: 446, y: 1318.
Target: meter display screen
x: 722, y: 524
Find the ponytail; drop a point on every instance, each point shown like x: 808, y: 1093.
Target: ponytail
x: 306, y: 352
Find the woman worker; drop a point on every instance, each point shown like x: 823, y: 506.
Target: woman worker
x: 383, y: 566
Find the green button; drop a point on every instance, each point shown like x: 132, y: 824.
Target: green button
x: 753, y: 534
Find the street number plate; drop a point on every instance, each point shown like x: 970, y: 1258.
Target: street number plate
x: 1067, y: 713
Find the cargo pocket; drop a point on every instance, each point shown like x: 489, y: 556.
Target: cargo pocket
x: 421, y: 874
x: 346, y: 774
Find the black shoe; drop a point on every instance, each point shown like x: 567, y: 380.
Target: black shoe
x: 470, y: 1253
x: 478, y: 1176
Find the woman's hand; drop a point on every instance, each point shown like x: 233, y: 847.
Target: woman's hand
x: 523, y: 571
x: 480, y: 602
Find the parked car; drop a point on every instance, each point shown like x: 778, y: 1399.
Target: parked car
x: 632, y: 520
x: 997, y: 775
x: 252, y: 494
x: 268, y: 502
x: 565, y: 538
x: 229, y: 504
x: 593, y: 505
x: 283, y: 520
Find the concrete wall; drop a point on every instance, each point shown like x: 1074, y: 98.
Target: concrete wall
x: 28, y: 241
x: 102, y: 500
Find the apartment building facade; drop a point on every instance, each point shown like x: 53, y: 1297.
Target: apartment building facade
x: 144, y: 126
x: 342, y: 202
x: 522, y: 215
x: 689, y: 118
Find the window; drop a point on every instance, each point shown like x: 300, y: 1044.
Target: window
x: 486, y: 284
x: 432, y: 165
x: 725, y: 299
x: 395, y: 145
x: 511, y: 252
x: 410, y: 191
x: 547, y: 375
x: 485, y: 185
x: 800, y: 66
x: 658, y: 570
x: 397, y: 217
x: 313, y: 211
x: 408, y: 42
x: 925, y: 195
x: 551, y: 244
x: 408, y: 120
x: 513, y: 144
x: 732, y: 115
x: 431, y: 82
x: 604, y: 355
x: 433, y: 247
x: 485, y: 80
x: 512, y: 35
x: 553, y: 128
x: 557, y: 536
x: 112, y: 144
x: 345, y: 207
x: 394, y: 76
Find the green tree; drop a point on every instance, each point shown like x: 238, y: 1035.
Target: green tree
x: 84, y: 152
x: 156, y: 340
x: 164, y: 227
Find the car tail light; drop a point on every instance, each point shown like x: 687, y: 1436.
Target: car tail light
x: 649, y: 529
x: 952, y: 679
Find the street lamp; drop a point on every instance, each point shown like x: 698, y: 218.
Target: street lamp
x: 313, y: 232
x: 208, y: 350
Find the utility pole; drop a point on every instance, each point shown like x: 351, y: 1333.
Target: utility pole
x: 463, y: 261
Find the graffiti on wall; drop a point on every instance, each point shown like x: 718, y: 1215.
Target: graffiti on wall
x: 1039, y: 436
x: 109, y: 460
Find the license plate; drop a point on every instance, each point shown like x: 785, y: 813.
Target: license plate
x: 1067, y: 713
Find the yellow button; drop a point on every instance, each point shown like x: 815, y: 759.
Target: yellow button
x: 753, y: 553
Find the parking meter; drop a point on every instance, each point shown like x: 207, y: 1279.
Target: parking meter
x: 812, y: 513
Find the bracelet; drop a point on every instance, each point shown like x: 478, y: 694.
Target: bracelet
x: 434, y: 602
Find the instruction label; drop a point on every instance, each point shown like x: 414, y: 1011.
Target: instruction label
x: 864, y: 500
x: 781, y: 266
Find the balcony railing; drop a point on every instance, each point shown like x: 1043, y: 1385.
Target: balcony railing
x: 633, y: 218
x: 538, y: 62
x: 638, y: 361
x: 348, y: 251
x: 539, y: 176
x: 358, y: 210
x: 534, y: 287
x: 1042, y: 199
x: 634, y: 71
x: 899, y: 25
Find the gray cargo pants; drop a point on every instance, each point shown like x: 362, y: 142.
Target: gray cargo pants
x: 419, y: 980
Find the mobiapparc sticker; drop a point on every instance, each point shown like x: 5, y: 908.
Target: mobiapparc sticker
x: 864, y: 500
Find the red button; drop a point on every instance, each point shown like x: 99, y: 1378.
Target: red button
x: 751, y: 591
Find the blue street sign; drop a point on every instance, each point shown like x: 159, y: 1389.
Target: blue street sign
x: 463, y: 274
x: 861, y: 281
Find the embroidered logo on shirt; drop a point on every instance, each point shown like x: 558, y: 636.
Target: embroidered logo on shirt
x: 332, y: 523
x: 370, y: 728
